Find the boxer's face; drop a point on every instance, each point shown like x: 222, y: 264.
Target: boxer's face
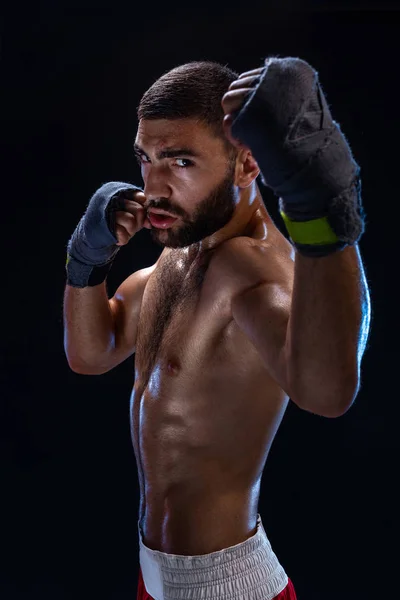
x: 186, y: 172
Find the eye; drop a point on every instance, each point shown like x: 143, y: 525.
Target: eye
x: 185, y: 160
x: 141, y: 158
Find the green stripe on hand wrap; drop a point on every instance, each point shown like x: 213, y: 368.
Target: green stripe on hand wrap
x: 315, y: 232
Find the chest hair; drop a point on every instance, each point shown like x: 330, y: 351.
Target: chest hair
x: 175, y: 287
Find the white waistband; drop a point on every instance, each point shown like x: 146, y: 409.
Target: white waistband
x: 247, y: 571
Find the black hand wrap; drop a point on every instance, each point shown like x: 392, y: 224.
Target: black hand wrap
x: 303, y: 157
x: 92, y: 247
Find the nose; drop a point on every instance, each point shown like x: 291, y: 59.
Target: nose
x: 156, y: 183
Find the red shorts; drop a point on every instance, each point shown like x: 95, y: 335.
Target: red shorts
x: 287, y: 594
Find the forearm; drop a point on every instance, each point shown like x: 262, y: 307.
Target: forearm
x: 88, y: 326
x: 327, y: 330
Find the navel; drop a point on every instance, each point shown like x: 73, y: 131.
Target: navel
x: 173, y: 367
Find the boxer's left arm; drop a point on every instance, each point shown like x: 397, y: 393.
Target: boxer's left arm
x: 319, y: 354
x: 327, y: 331
x: 310, y: 326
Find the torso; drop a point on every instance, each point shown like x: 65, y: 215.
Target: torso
x: 204, y: 409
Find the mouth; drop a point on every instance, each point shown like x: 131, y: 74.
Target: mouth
x: 160, y: 218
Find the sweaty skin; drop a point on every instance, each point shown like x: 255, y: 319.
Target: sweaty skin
x: 204, y: 408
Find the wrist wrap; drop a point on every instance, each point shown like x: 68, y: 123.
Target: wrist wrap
x: 92, y: 247
x: 303, y: 157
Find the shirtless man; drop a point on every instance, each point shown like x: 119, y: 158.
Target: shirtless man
x: 232, y: 319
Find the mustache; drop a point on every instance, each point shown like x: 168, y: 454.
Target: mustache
x: 164, y: 204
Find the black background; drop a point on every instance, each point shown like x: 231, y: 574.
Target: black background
x: 73, y: 75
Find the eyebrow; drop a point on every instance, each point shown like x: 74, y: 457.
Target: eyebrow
x: 168, y: 152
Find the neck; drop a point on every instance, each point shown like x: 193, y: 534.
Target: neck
x: 248, y: 213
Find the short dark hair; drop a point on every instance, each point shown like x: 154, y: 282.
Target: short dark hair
x: 191, y: 90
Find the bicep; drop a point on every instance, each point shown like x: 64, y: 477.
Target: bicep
x: 125, y: 308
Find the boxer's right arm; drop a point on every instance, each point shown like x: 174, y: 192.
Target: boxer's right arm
x: 100, y: 333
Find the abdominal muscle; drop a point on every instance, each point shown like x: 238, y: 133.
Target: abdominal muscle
x: 202, y: 426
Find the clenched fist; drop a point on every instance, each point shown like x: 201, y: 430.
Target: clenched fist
x: 131, y: 220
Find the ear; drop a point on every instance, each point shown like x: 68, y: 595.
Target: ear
x: 247, y: 168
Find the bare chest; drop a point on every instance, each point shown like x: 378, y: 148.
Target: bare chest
x: 199, y: 415
x: 183, y: 311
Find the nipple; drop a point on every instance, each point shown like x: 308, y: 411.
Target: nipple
x: 173, y: 367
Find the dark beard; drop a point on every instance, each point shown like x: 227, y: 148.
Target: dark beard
x: 213, y: 213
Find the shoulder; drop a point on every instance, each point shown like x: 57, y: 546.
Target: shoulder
x: 130, y: 291
x: 251, y: 262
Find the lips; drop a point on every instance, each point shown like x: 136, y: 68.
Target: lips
x: 161, y: 220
